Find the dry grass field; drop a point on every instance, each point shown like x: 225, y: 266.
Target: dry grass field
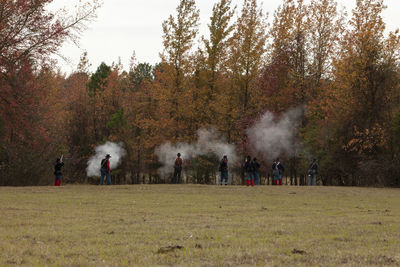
x: 195, y: 225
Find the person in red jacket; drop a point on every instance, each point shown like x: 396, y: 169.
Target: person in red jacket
x: 105, y: 170
x: 177, y: 169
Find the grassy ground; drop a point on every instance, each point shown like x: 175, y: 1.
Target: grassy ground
x: 182, y: 225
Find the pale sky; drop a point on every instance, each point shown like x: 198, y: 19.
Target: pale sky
x: 124, y: 26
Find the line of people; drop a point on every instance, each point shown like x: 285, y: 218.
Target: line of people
x: 251, y: 169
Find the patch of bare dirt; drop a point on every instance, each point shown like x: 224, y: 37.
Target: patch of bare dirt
x: 298, y: 251
x: 168, y: 249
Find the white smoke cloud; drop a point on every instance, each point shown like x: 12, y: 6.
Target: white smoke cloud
x: 208, y: 142
x: 116, y: 151
x: 272, y: 136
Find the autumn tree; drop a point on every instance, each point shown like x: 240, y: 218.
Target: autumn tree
x: 96, y: 86
x: 284, y: 76
x: 29, y: 34
x: 140, y: 108
x: 247, y: 50
x: 208, y: 79
x: 366, y: 79
x: 78, y: 123
x: 326, y: 28
x: 178, y: 39
x: 298, y: 72
x: 245, y: 53
x: 216, y: 46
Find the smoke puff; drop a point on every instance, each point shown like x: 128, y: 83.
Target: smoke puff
x: 116, y: 151
x: 208, y: 142
x: 272, y: 137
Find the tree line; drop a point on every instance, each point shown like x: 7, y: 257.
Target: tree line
x: 342, y: 67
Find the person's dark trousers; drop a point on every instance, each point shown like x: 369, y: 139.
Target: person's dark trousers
x: 177, y: 176
x: 224, y: 177
x: 105, y: 173
x: 256, y: 178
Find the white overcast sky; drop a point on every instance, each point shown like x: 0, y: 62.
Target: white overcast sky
x: 124, y: 26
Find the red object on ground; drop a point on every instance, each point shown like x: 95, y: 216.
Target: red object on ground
x: 280, y: 181
x: 57, y: 182
x: 252, y: 182
x: 247, y: 182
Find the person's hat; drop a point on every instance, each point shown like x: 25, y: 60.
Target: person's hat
x: 108, y: 156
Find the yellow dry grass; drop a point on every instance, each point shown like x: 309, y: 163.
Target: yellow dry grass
x: 195, y: 225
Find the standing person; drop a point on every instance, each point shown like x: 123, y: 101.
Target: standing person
x: 105, y: 170
x: 277, y: 170
x: 223, y: 168
x: 57, y: 171
x: 312, y: 172
x: 256, y: 171
x: 248, y: 171
x: 177, y: 169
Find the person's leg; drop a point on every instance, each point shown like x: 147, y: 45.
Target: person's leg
x: 257, y: 178
x: 226, y: 178
x: 179, y: 176
x: 108, y: 178
x: 276, y: 177
x: 221, y: 177
x: 252, y: 179
x: 175, y: 175
x: 102, y: 177
x: 309, y: 179
x: 280, y: 179
x: 314, y: 181
x: 55, y: 181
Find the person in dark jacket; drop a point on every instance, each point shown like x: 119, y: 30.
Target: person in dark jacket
x: 105, y: 170
x: 177, y: 169
x: 223, y: 168
x: 256, y: 171
x: 248, y: 171
x: 57, y: 172
x: 277, y: 170
x: 312, y: 172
